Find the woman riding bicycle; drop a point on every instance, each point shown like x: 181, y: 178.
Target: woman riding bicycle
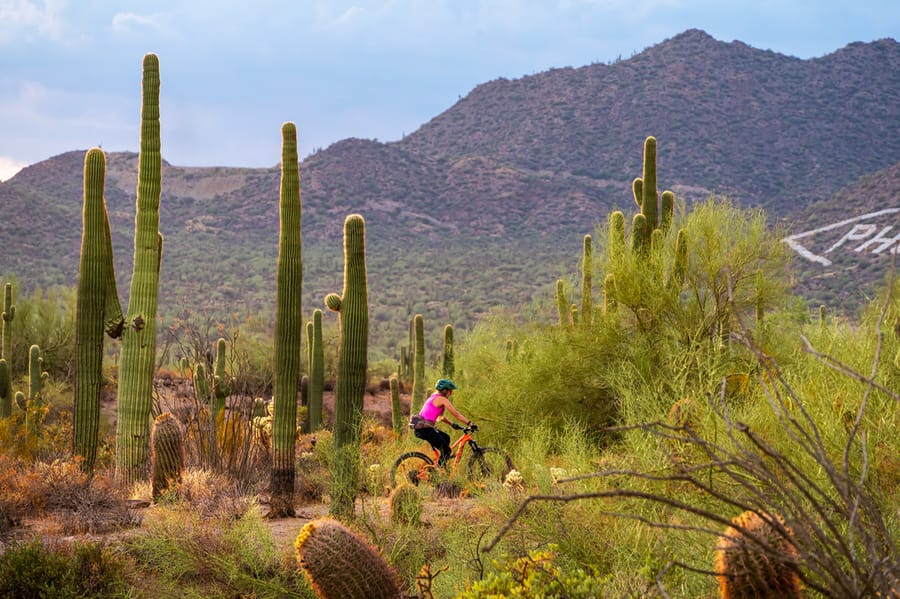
x: 433, y: 412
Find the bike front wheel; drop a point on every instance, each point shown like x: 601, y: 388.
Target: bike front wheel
x: 412, y: 467
x: 489, y: 465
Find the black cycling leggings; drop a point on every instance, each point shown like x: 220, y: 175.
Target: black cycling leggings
x: 438, y: 439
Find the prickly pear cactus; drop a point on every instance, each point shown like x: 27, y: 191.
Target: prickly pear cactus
x: 341, y: 565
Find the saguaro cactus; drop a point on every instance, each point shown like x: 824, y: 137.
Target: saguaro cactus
x: 396, y: 410
x: 341, y: 565
x: 94, y: 280
x: 762, y: 567
x: 679, y: 266
x: 645, y: 193
x: 167, y: 456
x: 6, y: 317
x: 563, y: 310
x: 316, y: 373
x: 418, y: 390
x: 139, y: 337
x: 447, y: 365
x: 587, y: 266
x: 616, y: 249
x: 353, y: 309
x: 220, y: 381
x: 610, y: 304
x: 34, y: 402
x: 288, y: 330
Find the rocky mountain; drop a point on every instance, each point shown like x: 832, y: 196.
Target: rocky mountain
x: 486, y: 205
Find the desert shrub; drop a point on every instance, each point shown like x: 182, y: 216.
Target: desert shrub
x: 536, y: 576
x: 31, y: 569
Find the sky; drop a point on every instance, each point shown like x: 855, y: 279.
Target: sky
x: 233, y: 72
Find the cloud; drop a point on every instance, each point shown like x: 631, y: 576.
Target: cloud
x: 9, y: 167
x: 26, y: 19
x: 130, y: 23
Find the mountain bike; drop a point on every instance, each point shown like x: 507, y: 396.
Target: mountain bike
x: 485, y: 465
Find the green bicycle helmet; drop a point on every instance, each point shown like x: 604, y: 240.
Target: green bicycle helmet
x: 443, y: 384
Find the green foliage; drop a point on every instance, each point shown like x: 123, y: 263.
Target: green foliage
x: 537, y: 576
x: 31, y: 569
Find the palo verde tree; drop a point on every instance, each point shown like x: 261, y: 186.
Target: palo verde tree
x: 288, y: 330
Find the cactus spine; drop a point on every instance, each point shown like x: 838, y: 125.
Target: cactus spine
x: 288, y: 329
x: 448, y: 367
x: 396, y: 409
x: 316, y: 373
x: 759, y: 566
x: 167, y: 456
x: 353, y: 310
x: 341, y: 565
x: 94, y: 280
x: 418, y: 390
x: 587, y: 266
x: 139, y: 339
x: 6, y: 317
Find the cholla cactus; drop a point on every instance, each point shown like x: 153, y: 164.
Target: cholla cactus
x: 756, y: 559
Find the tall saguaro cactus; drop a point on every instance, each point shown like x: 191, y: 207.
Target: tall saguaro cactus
x: 95, y: 279
x: 139, y: 337
x: 587, y: 267
x: 418, y: 390
x: 645, y: 193
x: 448, y: 364
x: 6, y: 317
x: 316, y: 373
x: 288, y: 329
x: 352, y: 307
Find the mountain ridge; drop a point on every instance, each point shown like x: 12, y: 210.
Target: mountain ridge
x: 486, y: 204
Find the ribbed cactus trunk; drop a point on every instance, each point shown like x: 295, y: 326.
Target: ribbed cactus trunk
x: 587, y: 267
x: 610, y: 303
x: 563, y: 309
x: 288, y: 330
x: 167, y: 457
x: 139, y: 337
x: 220, y: 381
x: 353, y: 309
x: 93, y: 279
x: 418, y: 389
x: 645, y: 193
x: 316, y: 373
x: 6, y: 318
x: 34, y: 414
x: 448, y: 366
x: 396, y: 408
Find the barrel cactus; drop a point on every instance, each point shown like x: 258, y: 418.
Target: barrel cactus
x: 353, y: 310
x: 756, y: 559
x: 406, y: 505
x: 167, y: 453
x: 288, y: 330
x: 342, y: 565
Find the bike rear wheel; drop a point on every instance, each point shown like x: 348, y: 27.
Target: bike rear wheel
x: 412, y: 467
x: 489, y: 465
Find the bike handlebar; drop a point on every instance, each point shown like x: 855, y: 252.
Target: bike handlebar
x: 466, y: 429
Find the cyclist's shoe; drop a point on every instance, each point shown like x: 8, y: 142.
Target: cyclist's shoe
x: 473, y: 427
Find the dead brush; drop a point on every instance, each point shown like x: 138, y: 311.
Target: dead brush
x: 212, y: 496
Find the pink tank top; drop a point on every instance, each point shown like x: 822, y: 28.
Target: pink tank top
x: 430, y: 411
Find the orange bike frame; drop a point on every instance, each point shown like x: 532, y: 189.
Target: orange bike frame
x: 456, y: 451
